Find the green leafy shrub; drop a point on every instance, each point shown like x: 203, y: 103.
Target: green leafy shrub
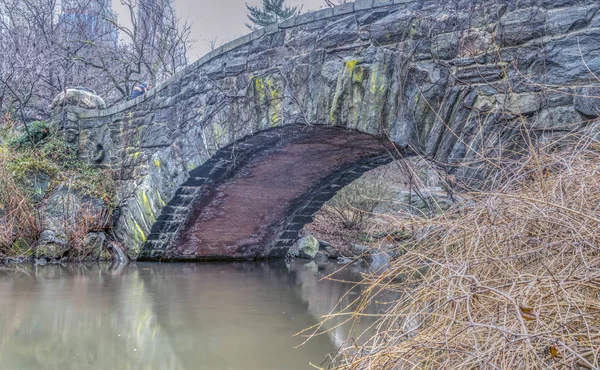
x: 37, y: 129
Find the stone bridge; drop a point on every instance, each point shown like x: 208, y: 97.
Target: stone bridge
x: 233, y: 154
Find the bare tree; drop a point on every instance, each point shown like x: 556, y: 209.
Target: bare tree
x: 155, y: 46
x: 47, y: 46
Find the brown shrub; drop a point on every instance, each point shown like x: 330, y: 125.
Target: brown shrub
x: 509, y: 279
x: 19, y: 224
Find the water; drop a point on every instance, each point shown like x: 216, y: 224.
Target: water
x: 169, y: 316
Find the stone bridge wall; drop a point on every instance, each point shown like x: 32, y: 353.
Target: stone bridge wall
x: 449, y: 78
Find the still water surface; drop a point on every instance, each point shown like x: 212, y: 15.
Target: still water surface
x: 169, y: 316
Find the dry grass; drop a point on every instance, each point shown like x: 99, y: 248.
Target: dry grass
x: 79, y: 225
x: 18, y: 219
x: 509, y: 279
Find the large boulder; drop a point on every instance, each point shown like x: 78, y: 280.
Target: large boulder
x: 308, y: 246
x: 98, y: 246
x: 68, y: 211
x: 50, y: 246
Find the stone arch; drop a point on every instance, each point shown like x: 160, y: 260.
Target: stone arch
x: 429, y: 74
x: 224, y: 211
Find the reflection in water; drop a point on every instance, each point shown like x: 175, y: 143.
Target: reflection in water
x: 174, y: 316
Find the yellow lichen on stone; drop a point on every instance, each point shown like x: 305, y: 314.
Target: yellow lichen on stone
x: 157, y: 163
x: 139, y: 232
x: 274, y: 118
x: 350, y: 64
x: 160, y: 199
x: 377, y: 81
x: 259, y: 87
x: 275, y: 106
x: 147, y: 206
x: 359, y: 74
x: 136, y: 155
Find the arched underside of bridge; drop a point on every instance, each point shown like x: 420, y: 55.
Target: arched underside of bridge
x: 253, y: 197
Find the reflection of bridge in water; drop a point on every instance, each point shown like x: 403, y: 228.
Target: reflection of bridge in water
x: 183, y: 316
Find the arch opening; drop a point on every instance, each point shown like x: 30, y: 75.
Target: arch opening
x: 252, y: 198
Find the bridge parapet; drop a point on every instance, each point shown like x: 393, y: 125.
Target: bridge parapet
x: 451, y: 79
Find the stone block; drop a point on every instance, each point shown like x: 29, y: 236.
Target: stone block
x: 522, y: 104
x: 257, y: 34
x: 568, y: 19
x: 342, y: 32
x: 203, y: 60
x: 380, y: 3
x: 291, y: 22
x: 363, y: 5
x: 522, y: 25
x: 234, y: 44
x: 391, y: 28
x: 271, y: 29
x: 343, y: 9
x: 560, y: 118
x: 587, y: 101
x: 235, y: 66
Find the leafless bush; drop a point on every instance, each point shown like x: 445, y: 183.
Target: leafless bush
x: 353, y: 206
x: 78, y: 223
x: 509, y: 280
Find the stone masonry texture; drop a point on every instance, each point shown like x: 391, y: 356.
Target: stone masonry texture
x: 450, y: 79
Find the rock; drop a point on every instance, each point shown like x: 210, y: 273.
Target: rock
x: 323, y: 244
x: 49, y: 251
x: 50, y: 246
x: 344, y: 31
x: 97, y: 244
x: 332, y: 252
x: 119, y: 255
x: 569, y: 19
x: 560, y: 118
x: 587, y: 101
x: 41, y: 262
x: 378, y: 261
x: 292, y: 252
x: 359, y: 250
x: 522, y: 25
x: 308, y: 246
x: 445, y: 46
x: 391, y: 28
x: 344, y: 260
x: 328, y: 249
x: 67, y: 210
x: 46, y: 237
x: 522, y: 104
x: 16, y: 260
x: 321, y: 257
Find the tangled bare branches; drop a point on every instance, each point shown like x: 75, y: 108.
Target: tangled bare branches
x: 509, y: 279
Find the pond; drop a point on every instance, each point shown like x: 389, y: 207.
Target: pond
x: 171, y: 316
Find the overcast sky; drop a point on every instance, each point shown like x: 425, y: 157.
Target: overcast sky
x: 222, y: 20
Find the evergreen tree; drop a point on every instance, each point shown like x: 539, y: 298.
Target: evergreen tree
x: 271, y: 12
